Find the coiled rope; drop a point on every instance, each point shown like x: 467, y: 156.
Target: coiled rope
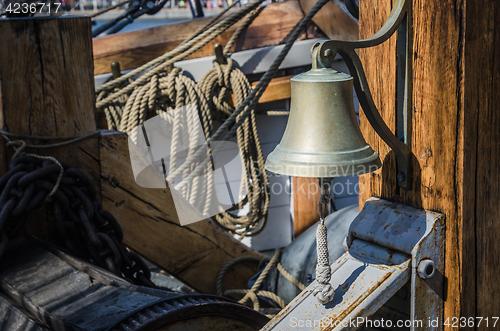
x: 35, y: 181
x: 167, y: 91
x: 253, y: 293
x: 218, y: 84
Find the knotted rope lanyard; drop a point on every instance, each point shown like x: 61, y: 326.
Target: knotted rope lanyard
x: 324, y: 291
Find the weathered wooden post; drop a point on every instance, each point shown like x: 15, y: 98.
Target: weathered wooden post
x: 47, y: 89
x: 455, y: 140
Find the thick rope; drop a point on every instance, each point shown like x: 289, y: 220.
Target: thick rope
x: 217, y: 85
x: 253, y: 293
x: 164, y: 92
x: 211, y: 22
x: 278, y: 113
x: 230, y: 264
x: 244, y: 24
x: 289, y: 277
x: 145, y: 91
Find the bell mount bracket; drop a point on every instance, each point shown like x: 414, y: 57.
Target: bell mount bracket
x: 323, y: 53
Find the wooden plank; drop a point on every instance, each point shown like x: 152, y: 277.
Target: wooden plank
x: 455, y: 139
x: 271, y: 27
x: 481, y: 144
x: 434, y: 139
x: 306, y: 194
x: 333, y: 21
x: 48, y: 89
x: 194, y: 253
x: 15, y: 318
x: 278, y: 89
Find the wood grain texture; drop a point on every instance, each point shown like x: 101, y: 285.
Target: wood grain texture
x: 333, y: 21
x: 435, y: 118
x: 455, y: 140
x: 306, y: 194
x: 272, y: 26
x: 278, y: 89
x: 380, y: 68
x: 481, y: 118
x: 194, y: 253
x: 47, y: 88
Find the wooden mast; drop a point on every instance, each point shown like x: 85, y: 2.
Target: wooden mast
x: 455, y: 137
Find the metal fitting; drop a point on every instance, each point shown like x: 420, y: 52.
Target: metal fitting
x: 426, y: 269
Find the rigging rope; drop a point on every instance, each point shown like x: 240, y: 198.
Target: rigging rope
x: 253, y: 293
x: 161, y: 63
x: 217, y: 85
x: 105, y: 10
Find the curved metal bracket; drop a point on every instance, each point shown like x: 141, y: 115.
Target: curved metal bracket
x: 325, y: 53
x: 398, y: 12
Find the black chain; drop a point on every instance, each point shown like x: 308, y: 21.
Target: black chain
x: 86, y: 229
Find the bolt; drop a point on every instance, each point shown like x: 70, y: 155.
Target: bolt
x: 426, y: 269
x: 328, y: 53
x: 401, y: 177
x: 402, y: 293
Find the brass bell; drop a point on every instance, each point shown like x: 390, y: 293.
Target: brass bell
x: 322, y: 138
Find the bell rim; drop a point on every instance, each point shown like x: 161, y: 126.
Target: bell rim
x: 323, y: 169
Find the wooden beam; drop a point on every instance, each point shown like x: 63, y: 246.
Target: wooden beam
x: 48, y: 90
x: 278, y: 89
x: 480, y: 114
x: 454, y: 138
x: 271, y: 27
x: 194, y: 253
x: 306, y: 194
